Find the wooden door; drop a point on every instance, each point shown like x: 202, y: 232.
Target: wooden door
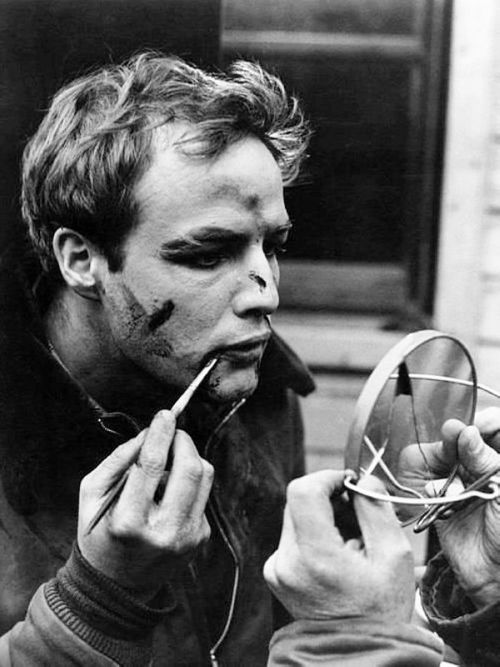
x: 372, y: 77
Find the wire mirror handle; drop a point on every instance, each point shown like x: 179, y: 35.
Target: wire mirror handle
x: 494, y: 484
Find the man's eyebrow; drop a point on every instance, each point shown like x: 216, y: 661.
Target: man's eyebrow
x: 207, y: 235
x: 200, y: 237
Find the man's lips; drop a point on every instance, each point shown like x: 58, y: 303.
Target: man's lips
x: 249, y: 349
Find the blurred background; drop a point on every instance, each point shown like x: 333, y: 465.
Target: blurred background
x: 397, y: 212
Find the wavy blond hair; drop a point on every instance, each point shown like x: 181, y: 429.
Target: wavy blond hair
x: 95, y: 141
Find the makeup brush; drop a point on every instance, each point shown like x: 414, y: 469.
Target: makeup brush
x: 178, y: 407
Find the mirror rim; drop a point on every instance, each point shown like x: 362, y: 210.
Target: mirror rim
x: 377, y: 380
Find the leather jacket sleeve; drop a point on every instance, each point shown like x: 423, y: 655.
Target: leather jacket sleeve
x: 354, y: 643
x: 298, y: 460
x: 472, y: 633
x: 82, y: 618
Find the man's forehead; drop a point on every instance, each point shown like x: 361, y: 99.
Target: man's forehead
x: 201, y: 191
x: 231, y: 190
x: 244, y: 176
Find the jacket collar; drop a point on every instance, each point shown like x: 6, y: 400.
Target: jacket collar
x: 283, y: 367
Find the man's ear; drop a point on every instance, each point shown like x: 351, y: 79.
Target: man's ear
x: 76, y: 257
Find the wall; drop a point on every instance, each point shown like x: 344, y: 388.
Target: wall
x: 44, y: 43
x: 468, y: 287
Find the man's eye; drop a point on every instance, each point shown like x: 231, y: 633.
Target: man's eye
x: 208, y: 261
x: 272, y: 249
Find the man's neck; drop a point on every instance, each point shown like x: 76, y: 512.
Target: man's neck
x: 75, y: 330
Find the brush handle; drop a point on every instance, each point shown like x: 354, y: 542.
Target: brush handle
x: 113, y: 494
x: 181, y: 403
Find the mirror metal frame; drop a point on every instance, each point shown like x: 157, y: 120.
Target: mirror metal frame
x: 377, y: 381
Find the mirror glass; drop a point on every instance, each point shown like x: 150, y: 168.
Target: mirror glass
x: 426, y: 379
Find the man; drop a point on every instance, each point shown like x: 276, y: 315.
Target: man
x: 153, y: 196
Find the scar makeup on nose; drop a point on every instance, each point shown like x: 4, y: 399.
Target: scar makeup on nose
x: 257, y: 279
x: 161, y: 315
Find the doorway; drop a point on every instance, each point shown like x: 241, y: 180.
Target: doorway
x: 372, y: 77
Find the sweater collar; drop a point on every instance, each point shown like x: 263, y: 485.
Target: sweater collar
x: 282, y: 366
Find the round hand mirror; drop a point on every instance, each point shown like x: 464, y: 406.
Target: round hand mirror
x: 427, y: 378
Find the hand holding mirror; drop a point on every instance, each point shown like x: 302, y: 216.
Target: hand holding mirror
x: 424, y: 380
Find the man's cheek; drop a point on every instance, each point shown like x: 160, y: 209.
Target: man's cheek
x: 148, y: 328
x: 160, y: 315
x: 157, y: 337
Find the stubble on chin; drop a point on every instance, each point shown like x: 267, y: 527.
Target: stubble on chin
x: 220, y: 389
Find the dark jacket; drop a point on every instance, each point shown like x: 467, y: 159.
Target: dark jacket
x: 354, y: 642
x: 52, y: 435
x: 471, y: 632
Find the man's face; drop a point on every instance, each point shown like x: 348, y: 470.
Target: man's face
x: 200, y: 275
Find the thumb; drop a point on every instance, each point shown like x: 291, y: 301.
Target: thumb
x: 269, y: 571
x: 310, y: 508
x: 474, y: 454
x: 377, y: 520
x: 488, y: 423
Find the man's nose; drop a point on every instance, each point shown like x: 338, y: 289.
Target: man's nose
x: 257, y: 286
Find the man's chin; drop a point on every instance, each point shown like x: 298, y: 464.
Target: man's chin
x: 229, y: 387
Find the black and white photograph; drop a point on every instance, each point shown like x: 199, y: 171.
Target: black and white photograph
x: 249, y: 333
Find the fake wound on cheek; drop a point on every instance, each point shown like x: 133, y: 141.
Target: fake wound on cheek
x: 160, y: 315
x: 142, y: 324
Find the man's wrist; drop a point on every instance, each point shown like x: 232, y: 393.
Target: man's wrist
x: 482, y: 595
x: 85, y: 593
x: 350, y: 641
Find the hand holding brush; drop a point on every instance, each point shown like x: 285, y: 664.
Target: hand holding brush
x: 145, y: 537
x: 175, y: 411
